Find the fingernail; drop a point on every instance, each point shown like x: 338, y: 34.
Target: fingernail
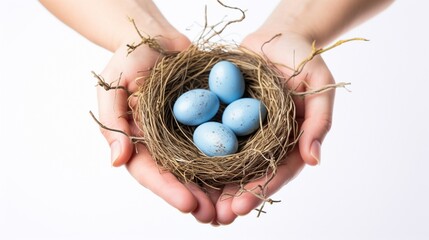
x: 115, y: 149
x: 315, y: 151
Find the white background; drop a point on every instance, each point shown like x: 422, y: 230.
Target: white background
x: 55, y: 176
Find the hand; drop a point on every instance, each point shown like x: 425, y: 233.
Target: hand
x: 314, y: 114
x: 113, y: 112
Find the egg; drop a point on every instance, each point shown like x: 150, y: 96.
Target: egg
x: 215, y: 139
x: 226, y: 81
x: 243, y: 116
x: 195, y: 107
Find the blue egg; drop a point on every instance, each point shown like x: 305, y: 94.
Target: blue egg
x: 226, y: 81
x: 244, y: 115
x: 215, y: 139
x: 195, y: 107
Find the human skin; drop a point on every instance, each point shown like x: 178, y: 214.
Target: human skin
x: 300, y: 23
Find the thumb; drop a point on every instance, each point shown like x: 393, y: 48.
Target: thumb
x: 113, y: 113
x: 317, y: 119
x: 314, y: 130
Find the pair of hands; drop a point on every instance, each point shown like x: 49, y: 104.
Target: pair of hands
x: 314, y: 114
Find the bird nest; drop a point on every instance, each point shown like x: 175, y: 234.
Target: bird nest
x: 170, y: 142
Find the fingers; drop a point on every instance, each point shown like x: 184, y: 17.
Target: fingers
x: 164, y: 184
x: 232, y: 204
x: 224, y: 213
x: 318, y: 110
x: 187, y: 198
x: 247, y: 202
x: 205, y: 211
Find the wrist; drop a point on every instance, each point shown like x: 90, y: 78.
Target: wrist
x: 291, y: 18
x: 116, y: 29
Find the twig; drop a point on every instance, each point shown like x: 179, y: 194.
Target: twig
x: 102, y: 83
x: 216, y: 33
x: 321, y: 90
x: 260, y: 209
x: 318, y: 51
x: 133, y: 139
x: 150, y: 42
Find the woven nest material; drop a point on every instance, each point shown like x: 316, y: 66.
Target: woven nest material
x: 170, y: 142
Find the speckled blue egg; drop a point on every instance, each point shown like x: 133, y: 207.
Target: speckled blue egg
x: 226, y: 81
x: 243, y: 116
x: 195, y: 107
x: 215, y: 139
